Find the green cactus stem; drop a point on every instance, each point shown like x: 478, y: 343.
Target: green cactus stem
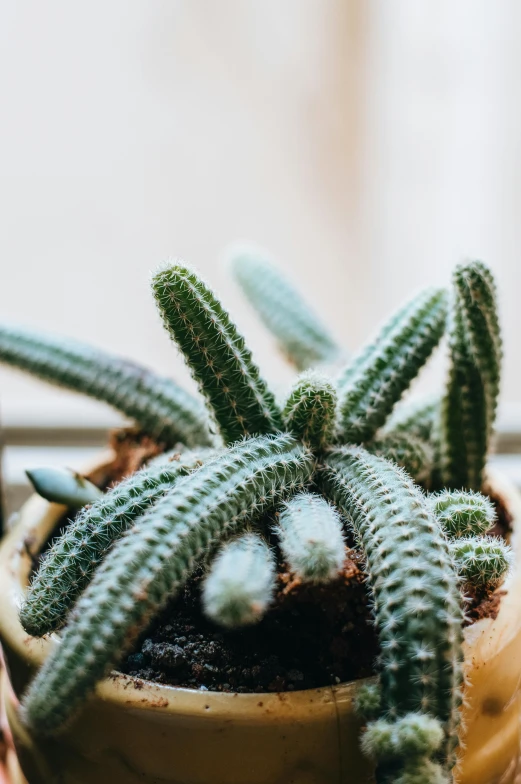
x: 63, y: 486
x: 158, y: 405
x: 216, y: 354
x: 408, y: 451
x: 463, y: 513
x: 147, y: 566
x: 240, y: 585
x: 379, y: 382
x: 310, y: 409
x: 416, y: 417
x: 311, y: 538
x: 482, y: 561
x: 412, y: 735
x: 470, y: 402
x: 68, y: 566
x: 417, y: 604
x: 301, y: 335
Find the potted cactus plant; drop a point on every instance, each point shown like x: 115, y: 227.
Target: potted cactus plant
x: 335, y: 485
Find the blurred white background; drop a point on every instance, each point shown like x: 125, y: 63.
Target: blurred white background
x: 370, y: 145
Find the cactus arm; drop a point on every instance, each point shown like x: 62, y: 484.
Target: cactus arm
x: 62, y: 486
x: 482, y: 561
x: 145, y: 568
x: 158, y: 405
x: 379, y: 383
x: 241, y: 582
x: 301, y: 335
x: 311, y: 538
x: 67, y: 567
x: 470, y: 402
x: 310, y: 409
x: 417, y: 417
x: 408, y: 451
x: 462, y: 514
x: 417, y: 604
x: 216, y: 353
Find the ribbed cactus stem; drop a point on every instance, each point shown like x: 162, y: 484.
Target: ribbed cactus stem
x: 417, y: 604
x: 379, y: 382
x: 301, y: 335
x: 147, y: 566
x: 63, y: 486
x: 412, y: 735
x: 470, y: 402
x: 408, y: 451
x: 482, y: 561
x: 241, y: 582
x: 216, y: 354
x: 158, y: 405
x: 68, y: 566
x: 311, y: 538
x: 416, y: 417
x: 310, y: 409
x: 463, y: 513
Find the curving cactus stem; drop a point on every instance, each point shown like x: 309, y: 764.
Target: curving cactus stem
x: 302, y: 337
x: 160, y: 407
x: 62, y: 486
x: 216, y: 354
x: 370, y: 391
x: 311, y: 538
x: 148, y: 565
x: 470, y: 402
x: 240, y: 585
x: 310, y: 409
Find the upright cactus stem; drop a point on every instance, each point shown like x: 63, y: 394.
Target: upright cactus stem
x: 160, y: 407
x: 416, y: 417
x: 216, y: 354
x: 241, y: 582
x: 68, y: 566
x: 408, y: 451
x: 146, y: 567
x: 470, y: 402
x: 417, y: 604
x: 301, y: 335
x: 378, y: 382
x: 310, y: 409
x: 311, y: 538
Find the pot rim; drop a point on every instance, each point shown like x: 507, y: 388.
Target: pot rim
x: 37, y: 518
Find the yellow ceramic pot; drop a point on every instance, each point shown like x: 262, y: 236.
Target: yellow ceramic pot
x: 134, y: 731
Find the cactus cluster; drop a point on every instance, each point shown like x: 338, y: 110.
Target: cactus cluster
x: 337, y: 455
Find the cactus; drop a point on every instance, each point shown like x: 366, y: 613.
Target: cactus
x: 470, y: 402
x: 482, y: 561
x: 302, y: 337
x: 415, y: 417
x: 408, y: 451
x: 161, y: 408
x: 310, y: 409
x: 463, y: 513
x: 379, y: 382
x: 62, y: 486
x: 68, y: 566
x: 417, y: 604
x: 241, y: 583
x: 218, y: 358
x: 311, y: 538
x: 147, y: 566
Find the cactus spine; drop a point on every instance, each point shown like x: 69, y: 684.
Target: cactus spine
x: 146, y: 567
x: 216, y: 353
x: 469, y: 405
x: 415, y: 417
x: 417, y: 604
x: 408, y: 451
x: 482, y: 561
x: 311, y: 538
x: 310, y: 409
x: 241, y: 582
x: 463, y: 513
x: 68, y: 566
x: 160, y: 407
x: 379, y: 382
x: 62, y: 486
x: 302, y: 337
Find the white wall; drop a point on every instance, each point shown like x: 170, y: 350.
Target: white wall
x: 369, y: 145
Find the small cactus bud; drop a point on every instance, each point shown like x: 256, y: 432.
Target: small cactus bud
x: 62, y: 486
x: 482, y: 561
x: 463, y: 513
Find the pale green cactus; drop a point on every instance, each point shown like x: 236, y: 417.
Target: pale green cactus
x: 62, y: 486
x: 482, y: 561
x: 310, y: 409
